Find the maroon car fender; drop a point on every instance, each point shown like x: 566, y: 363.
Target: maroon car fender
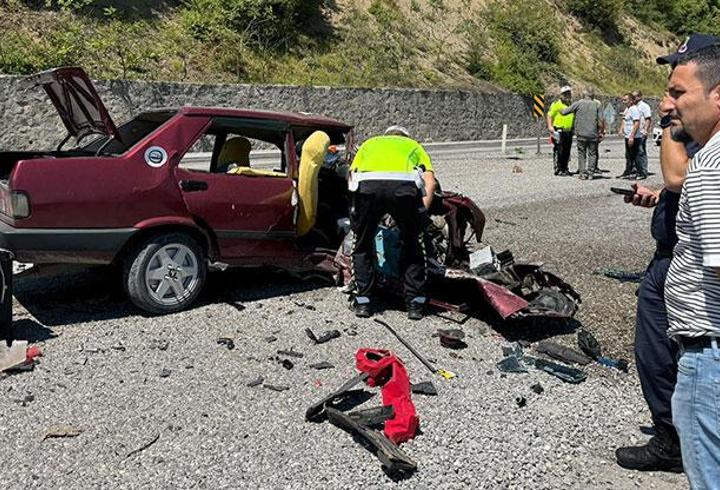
x: 179, y: 223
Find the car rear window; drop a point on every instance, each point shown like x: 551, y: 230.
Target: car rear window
x: 130, y: 133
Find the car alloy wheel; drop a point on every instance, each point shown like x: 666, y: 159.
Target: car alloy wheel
x: 172, y: 274
x: 165, y: 273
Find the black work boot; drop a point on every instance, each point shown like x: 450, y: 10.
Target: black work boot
x: 361, y: 310
x: 661, y: 453
x: 415, y: 310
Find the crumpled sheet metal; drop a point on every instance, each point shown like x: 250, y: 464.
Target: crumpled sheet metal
x: 501, y: 299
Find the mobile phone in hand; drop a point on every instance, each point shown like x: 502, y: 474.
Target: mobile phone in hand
x: 624, y: 192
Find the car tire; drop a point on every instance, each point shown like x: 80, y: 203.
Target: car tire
x: 165, y: 273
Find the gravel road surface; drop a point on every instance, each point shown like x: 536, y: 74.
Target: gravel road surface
x: 160, y: 404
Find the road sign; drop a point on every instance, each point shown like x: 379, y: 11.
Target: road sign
x: 538, y: 105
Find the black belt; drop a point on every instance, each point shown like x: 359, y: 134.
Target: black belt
x: 696, y: 343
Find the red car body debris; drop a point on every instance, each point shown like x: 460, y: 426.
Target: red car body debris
x: 386, y: 370
x: 511, y: 290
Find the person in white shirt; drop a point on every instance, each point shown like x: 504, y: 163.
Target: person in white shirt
x: 645, y: 130
x: 631, y: 131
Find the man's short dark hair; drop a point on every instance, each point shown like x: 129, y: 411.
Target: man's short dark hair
x: 708, y: 61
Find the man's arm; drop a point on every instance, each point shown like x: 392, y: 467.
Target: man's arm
x: 570, y: 109
x: 648, y: 124
x: 549, y: 120
x: 673, y: 162
x: 430, y: 186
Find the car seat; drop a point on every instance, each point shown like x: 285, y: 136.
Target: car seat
x: 311, y: 160
x: 235, y: 150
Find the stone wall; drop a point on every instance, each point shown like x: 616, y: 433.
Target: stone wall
x: 29, y: 120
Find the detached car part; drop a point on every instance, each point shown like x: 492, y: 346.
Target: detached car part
x: 393, y: 459
x: 378, y: 368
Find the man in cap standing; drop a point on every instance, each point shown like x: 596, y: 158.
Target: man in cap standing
x: 390, y: 174
x: 561, y: 131
x: 655, y: 353
x: 692, y: 287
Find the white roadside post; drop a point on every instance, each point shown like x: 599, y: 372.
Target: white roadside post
x: 504, y: 139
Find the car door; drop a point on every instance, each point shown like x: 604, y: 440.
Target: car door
x: 252, y: 215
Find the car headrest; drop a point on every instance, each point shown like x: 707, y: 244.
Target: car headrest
x: 235, y: 150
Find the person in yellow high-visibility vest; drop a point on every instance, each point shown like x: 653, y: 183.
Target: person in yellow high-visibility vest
x: 390, y: 174
x: 561, y: 131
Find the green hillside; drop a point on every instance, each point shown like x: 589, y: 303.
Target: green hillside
x: 522, y: 45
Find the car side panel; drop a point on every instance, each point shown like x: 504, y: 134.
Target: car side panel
x: 250, y: 216
x: 106, y: 192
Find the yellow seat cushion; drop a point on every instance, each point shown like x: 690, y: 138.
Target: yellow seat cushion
x: 311, y: 160
x: 254, y: 172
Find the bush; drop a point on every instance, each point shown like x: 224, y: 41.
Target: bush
x: 267, y: 24
x: 601, y: 14
x: 529, y: 25
x: 514, y: 45
x: 23, y: 53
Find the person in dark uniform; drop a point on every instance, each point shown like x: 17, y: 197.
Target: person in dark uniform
x: 656, y: 354
x: 390, y: 174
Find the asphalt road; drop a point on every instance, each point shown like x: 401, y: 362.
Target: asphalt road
x: 161, y: 405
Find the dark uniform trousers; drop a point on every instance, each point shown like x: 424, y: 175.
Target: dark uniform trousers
x: 655, y: 353
x: 561, y: 151
x: 403, y: 201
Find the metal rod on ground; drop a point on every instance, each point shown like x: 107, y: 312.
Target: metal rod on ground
x: 445, y: 374
x: 504, y: 139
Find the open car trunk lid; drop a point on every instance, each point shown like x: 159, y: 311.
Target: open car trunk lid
x: 78, y: 104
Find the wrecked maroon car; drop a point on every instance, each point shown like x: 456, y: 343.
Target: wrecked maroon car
x: 169, y: 193
x: 174, y: 192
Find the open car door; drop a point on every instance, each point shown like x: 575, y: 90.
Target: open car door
x: 78, y: 104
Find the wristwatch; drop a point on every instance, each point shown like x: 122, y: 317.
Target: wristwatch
x: 665, y: 121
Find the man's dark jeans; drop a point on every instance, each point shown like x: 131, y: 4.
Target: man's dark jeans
x: 642, y: 159
x: 403, y: 201
x: 631, y: 157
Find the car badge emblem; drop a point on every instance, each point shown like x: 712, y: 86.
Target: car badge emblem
x: 156, y: 156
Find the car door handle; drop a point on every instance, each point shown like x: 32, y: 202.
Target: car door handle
x: 193, y: 185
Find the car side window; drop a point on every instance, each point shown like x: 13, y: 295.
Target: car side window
x: 239, y: 147
x: 199, y: 157
x: 241, y: 151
